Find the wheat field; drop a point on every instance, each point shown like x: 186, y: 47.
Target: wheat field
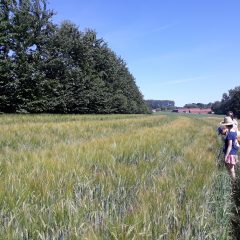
x: 112, y: 177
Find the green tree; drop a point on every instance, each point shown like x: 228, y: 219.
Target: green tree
x: 230, y: 102
x: 26, y: 27
x: 8, y: 82
x: 59, y: 69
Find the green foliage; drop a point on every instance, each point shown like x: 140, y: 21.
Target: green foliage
x: 229, y: 102
x: 59, y: 69
x: 198, y: 105
x: 25, y: 30
x: 160, y: 104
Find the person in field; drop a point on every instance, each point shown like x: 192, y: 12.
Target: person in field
x: 231, y: 146
x: 235, y: 122
x: 222, y: 130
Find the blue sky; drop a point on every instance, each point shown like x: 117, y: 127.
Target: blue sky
x: 182, y: 50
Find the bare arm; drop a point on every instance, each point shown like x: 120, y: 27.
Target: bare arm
x: 229, y: 148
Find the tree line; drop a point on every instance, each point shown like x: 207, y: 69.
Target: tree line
x: 52, y: 68
x: 230, y: 102
x: 160, y: 104
x: 198, y: 105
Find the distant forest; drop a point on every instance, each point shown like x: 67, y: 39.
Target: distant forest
x: 230, y: 102
x: 49, y: 68
x: 160, y: 104
x: 198, y: 105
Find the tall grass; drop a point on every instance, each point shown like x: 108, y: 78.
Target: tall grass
x: 111, y: 177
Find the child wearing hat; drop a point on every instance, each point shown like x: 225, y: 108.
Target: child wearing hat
x: 230, y: 146
x: 235, y: 123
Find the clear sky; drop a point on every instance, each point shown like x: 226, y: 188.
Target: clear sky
x: 187, y: 51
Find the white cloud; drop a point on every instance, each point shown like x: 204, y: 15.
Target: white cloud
x: 163, y: 27
x: 185, y: 80
x: 127, y: 34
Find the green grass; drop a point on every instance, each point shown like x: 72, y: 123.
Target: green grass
x: 112, y: 177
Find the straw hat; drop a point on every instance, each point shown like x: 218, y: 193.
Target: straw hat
x: 227, y: 121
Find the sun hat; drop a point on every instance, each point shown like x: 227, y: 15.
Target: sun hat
x: 227, y: 121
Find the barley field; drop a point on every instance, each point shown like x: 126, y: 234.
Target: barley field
x: 112, y: 177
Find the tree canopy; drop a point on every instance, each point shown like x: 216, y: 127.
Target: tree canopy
x: 58, y: 68
x: 198, y: 105
x: 161, y: 104
x: 230, y: 102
